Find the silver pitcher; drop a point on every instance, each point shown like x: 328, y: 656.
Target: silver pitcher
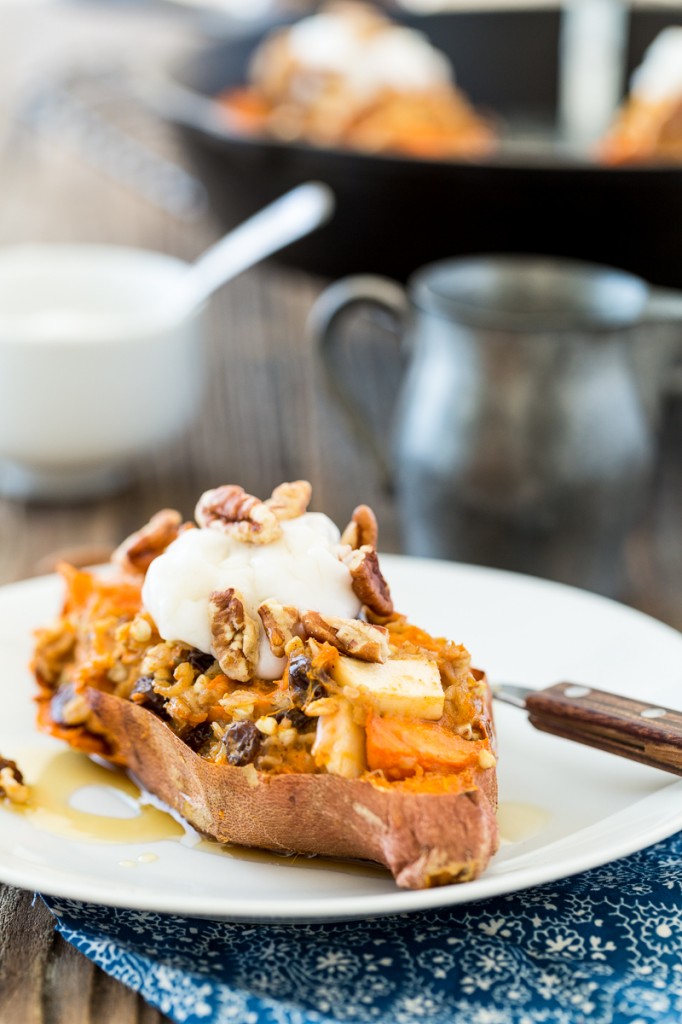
x: 523, y: 435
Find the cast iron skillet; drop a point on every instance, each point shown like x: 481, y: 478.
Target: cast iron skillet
x: 396, y: 214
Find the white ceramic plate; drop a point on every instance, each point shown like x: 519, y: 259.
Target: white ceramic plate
x: 571, y: 807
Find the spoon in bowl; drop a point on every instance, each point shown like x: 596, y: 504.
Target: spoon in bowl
x: 277, y: 225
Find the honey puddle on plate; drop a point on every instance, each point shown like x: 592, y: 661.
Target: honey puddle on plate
x: 519, y: 821
x: 60, y: 782
x: 52, y: 804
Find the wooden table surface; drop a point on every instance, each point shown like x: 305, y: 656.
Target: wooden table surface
x: 267, y: 417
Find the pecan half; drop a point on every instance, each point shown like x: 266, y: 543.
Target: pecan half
x: 12, y: 783
x: 362, y: 530
x: 368, y: 583
x: 354, y: 637
x: 138, y: 551
x: 279, y: 622
x: 234, y: 634
x: 231, y: 509
x: 289, y: 501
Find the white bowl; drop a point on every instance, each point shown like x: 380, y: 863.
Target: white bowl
x: 101, y: 360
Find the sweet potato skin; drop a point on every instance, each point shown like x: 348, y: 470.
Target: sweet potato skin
x: 399, y: 827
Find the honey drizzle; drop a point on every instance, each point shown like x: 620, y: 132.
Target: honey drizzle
x: 519, y: 821
x: 60, y: 776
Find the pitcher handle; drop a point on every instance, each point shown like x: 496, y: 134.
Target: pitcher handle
x: 324, y: 323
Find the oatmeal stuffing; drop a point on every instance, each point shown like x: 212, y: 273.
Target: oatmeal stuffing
x: 215, y: 701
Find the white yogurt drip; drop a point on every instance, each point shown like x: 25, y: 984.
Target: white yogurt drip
x: 659, y: 76
x: 394, y: 58
x: 302, y: 569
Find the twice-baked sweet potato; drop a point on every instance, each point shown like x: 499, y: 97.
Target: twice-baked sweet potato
x: 254, y: 676
x: 647, y: 128
x: 294, y: 93
x: 427, y: 834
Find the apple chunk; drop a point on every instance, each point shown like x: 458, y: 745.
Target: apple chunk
x: 340, y: 743
x: 406, y: 688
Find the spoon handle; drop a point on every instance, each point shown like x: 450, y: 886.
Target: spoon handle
x: 631, y: 728
x: 284, y: 221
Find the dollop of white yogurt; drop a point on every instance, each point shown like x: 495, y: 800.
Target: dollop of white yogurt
x: 659, y: 76
x: 302, y: 569
x: 394, y: 58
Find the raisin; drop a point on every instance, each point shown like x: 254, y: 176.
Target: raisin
x: 199, y: 736
x: 299, y: 721
x: 57, y: 704
x: 242, y: 742
x: 143, y: 693
x: 200, y: 661
x: 305, y: 684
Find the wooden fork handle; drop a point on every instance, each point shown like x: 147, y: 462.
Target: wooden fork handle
x: 631, y: 728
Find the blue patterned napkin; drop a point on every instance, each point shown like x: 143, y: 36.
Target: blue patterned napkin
x: 604, y: 947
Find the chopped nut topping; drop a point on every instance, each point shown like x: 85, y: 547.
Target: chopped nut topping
x: 289, y: 501
x: 234, y: 634
x: 12, y: 782
x: 287, y: 736
x: 138, y: 551
x: 231, y: 509
x: 369, y: 584
x: 238, y: 700
x: 118, y: 673
x: 323, y: 706
x: 362, y: 530
x: 267, y: 725
x: 350, y: 636
x: 244, y: 713
x: 141, y: 630
x: 279, y: 622
x: 486, y: 759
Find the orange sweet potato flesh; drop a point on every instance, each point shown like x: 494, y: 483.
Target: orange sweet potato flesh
x: 97, y: 595
x: 425, y: 834
x: 397, y: 745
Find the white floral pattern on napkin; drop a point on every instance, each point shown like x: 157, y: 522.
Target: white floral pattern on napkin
x: 604, y: 947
